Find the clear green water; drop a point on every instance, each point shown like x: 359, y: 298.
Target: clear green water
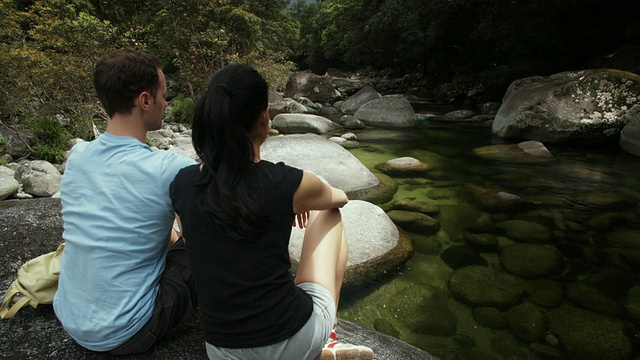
x: 563, y: 190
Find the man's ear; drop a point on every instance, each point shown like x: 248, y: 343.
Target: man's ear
x: 144, y: 100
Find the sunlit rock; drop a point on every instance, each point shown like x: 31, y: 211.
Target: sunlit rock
x: 39, y: 178
x: 352, y: 104
x: 314, y: 87
x: 387, y: 112
x: 322, y: 157
x: 303, y: 123
x: 404, y: 166
x: 8, y: 184
x: 375, y: 244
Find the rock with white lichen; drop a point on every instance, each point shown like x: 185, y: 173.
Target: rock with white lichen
x: 578, y: 107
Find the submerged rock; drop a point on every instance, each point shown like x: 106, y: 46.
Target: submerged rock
x: 525, y: 231
x: 527, y: 152
x: 589, y: 335
x: 527, y: 322
x: 495, y: 202
x: 531, y: 261
x: 483, y: 286
x: 404, y: 166
x: 415, y: 222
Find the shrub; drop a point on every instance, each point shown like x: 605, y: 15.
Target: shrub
x: 183, y: 109
x: 51, y: 137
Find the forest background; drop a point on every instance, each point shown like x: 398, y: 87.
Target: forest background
x: 48, y: 48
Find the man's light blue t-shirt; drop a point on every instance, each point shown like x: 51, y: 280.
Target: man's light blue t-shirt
x: 117, y: 217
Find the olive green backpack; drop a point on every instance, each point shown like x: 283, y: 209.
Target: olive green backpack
x: 37, y: 283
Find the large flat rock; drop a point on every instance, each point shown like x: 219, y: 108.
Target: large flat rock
x: 33, y: 227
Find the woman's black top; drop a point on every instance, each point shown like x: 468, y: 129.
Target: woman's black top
x: 246, y: 293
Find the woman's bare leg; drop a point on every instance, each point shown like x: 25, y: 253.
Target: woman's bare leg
x: 324, y: 252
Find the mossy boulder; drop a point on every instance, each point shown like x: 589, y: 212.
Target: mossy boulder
x: 424, y: 310
x: 459, y: 256
x: 483, y: 286
x: 525, y: 231
x: 490, y: 317
x: 589, y: 335
x: 546, y: 293
x: 632, y: 303
x: 526, y: 152
x: 531, y: 261
x: 496, y: 202
x: 415, y: 221
x: 589, y: 298
x: 579, y: 107
x: 411, y: 205
x: 482, y: 242
x: 527, y: 322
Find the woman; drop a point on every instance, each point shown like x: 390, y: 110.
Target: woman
x: 237, y: 211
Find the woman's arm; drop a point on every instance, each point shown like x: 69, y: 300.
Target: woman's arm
x: 313, y: 194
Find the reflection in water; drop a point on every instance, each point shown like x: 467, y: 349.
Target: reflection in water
x: 553, y: 275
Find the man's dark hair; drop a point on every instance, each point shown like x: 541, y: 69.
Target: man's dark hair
x: 121, y: 76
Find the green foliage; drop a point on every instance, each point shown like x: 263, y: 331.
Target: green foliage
x: 51, y: 138
x: 182, y: 109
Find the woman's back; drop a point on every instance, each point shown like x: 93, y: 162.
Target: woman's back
x: 246, y: 293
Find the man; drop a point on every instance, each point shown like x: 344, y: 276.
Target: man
x: 123, y: 282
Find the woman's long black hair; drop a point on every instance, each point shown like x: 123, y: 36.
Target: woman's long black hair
x: 224, y: 120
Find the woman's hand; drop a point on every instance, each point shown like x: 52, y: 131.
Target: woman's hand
x: 303, y: 218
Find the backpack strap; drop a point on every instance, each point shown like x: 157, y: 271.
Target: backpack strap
x: 7, y: 310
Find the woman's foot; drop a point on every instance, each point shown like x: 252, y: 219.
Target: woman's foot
x: 335, y: 350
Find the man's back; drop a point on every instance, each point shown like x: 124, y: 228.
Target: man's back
x: 117, y: 218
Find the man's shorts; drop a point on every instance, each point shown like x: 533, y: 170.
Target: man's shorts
x: 174, y: 304
x: 305, y: 344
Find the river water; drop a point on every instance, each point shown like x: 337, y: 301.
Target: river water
x: 586, y: 204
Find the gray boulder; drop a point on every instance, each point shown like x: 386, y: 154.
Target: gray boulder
x: 323, y: 157
x: 303, y: 123
x: 352, y: 104
x: 630, y: 136
x: 8, y: 184
x: 314, y: 87
x: 583, y: 107
x: 375, y: 244
x: 34, y: 227
x: 387, y: 112
x: 277, y: 104
x: 39, y: 178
